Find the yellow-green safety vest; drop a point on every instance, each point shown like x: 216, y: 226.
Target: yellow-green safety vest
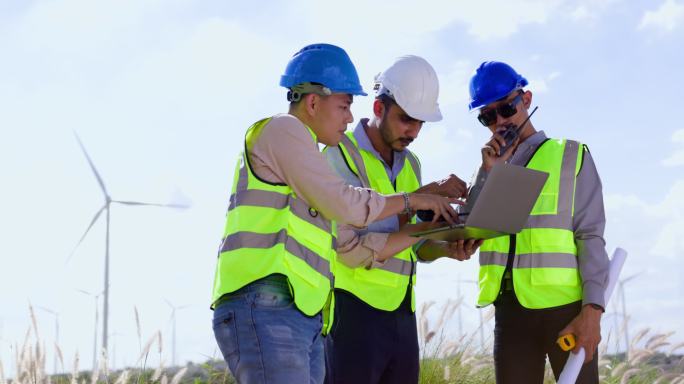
x: 271, y: 230
x: 543, y: 255
x: 382, y: 287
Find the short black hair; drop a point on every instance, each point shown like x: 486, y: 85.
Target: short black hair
x: 386, y: 100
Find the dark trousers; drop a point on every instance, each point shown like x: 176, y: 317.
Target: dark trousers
x: 368, y: 345
x: 524, y: 337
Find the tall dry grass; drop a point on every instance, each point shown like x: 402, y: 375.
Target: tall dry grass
x: 650, y: 359
x: 30, y: 363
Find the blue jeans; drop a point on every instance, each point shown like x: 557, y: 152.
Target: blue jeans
x: 264, y: 338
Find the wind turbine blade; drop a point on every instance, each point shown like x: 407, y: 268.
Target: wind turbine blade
x: 626, y: 279
x: 92, y: 222
x: 183, y: 306
x: 169, y: 303
x: 139, y: 203
x: 92, y: 166
x: 181, y: 199
x: 84, y: 292
x: 48, y: 310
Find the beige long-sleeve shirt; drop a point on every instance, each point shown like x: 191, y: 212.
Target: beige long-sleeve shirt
x: 284, y: 153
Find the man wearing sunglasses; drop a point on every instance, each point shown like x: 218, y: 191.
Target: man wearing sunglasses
x: 549, y: 279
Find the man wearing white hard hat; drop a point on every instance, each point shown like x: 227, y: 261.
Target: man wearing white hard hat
x: 373, y: 336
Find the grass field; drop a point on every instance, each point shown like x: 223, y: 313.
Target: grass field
x: 651, y: 359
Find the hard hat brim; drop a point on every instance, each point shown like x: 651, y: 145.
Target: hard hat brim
x: 431, y: 117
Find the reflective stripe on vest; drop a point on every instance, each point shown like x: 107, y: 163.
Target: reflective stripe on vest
x: 544, y: 265
x: 270, y: 230
x: 383, y: 287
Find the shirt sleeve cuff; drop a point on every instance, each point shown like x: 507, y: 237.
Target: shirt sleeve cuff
x: 375, y: 241
x: 593, y: 294
x: 376, y: 204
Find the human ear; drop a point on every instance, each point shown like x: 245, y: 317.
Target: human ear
x: 378, y: 108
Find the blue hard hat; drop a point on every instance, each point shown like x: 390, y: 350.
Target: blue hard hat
x: 492, y: 81
x: 325, y: 64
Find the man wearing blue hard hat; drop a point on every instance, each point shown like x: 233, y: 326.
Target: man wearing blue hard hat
x: 549, y: 279
x: 273, y: 276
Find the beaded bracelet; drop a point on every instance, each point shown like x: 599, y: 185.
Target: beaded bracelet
x: 407, y: 207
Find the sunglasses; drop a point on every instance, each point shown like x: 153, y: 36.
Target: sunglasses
x: 488, y: 117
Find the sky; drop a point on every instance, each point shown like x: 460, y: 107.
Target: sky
x: 162, y: 91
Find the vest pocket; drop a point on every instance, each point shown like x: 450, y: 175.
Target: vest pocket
x: 303, y: 270
x: 489, y: 284
x: 546, y: 204
x: 554, y: 276
x: 377, y: 276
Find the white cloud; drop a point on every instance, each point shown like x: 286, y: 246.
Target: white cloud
x: 453, y: 85
x: 658, y: 227
x: 508, y: 18
x: 670, y: 240
x: 381, y: 21
x: 582, y: 13
x: 666, y: 18
x: 617, y: 202
x: 541, y: 85
x: 652, y: 232
x: 589, y: 11
x: 676, y: 158
x: 538, y: 85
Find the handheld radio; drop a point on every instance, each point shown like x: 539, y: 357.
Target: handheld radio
x: 511, y: 133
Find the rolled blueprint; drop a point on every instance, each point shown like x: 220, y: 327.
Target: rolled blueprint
x: 575, y: 361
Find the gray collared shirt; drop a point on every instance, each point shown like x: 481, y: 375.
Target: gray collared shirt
x: 364, y: 143
x: 359, y: 246
x: 589, y: 219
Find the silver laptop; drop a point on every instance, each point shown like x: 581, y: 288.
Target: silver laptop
x: 502, y: 208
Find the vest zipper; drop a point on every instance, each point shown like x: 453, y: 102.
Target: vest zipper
x: 409, y: 289
x: 509, y: 263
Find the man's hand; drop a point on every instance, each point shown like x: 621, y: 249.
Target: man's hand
x: 440, y: 205
x: 451, y: 186
x: 463, y: 249
x: 490, y: 151
x: 587, y: 330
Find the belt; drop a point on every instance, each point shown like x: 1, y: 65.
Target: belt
x: 276, y: 280
x: 507, y: 283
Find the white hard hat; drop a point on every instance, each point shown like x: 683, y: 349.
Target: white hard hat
x: 412, y: 83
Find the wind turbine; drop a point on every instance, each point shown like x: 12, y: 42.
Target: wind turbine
x: 621, y: 289
x: 56, y: 315
x: 460, y: 311
x: 173, y: 324
x: 616, y: 325
x: 97, y: 315
x: 114, y: 335
x: 106, y: 208
x: 479, y: 310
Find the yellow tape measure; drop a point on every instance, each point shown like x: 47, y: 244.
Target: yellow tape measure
x: 566, y: 342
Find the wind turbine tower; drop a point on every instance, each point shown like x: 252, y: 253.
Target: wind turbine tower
x: 174, y: 309
x: 106, y: 209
